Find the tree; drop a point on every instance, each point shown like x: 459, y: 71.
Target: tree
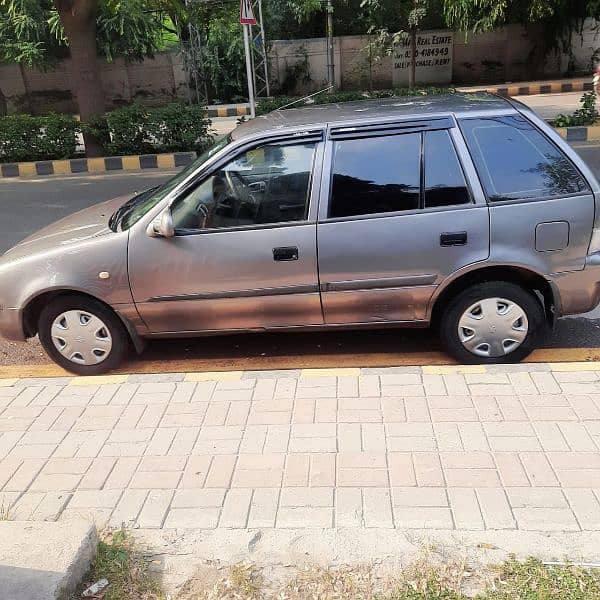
x: 558, y: 18
x: 37, y: 32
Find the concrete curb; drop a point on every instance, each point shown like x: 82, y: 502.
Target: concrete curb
x: 43, y: 559
x: 550, y: 87
x: 97, y: 165
x: 587, y: 133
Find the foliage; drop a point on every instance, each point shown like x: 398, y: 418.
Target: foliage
x: 586, y: 115
x: 135, y: 129
x: 120, y: 562
x: 23, y: 137
x: 280, y: 102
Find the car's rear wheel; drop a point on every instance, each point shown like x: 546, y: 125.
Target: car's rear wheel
x: 492, y: 322
x: 83, y: 335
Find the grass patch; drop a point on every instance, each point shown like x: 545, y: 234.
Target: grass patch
x: 425, y: 579
x: 119, y: 561
x: 5, y: 514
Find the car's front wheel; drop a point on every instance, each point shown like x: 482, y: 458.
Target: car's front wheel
x: 82, y: 335
x: 492, y: 322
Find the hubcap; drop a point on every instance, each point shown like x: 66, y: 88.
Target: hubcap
x: 81, y: 337
x: 493, y: 327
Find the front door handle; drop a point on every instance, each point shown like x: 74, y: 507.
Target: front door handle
x: 456, y: 238
x: 285, y: 253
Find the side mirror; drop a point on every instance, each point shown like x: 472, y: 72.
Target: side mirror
x: 162, y: 226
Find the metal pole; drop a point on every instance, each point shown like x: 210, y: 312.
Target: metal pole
x: 264, y: 47
x: 249, y: 73
x: 330, y: 52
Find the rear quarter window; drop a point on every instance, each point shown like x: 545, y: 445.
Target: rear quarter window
x: 516, y: 161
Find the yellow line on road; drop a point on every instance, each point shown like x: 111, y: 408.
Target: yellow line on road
x: 323, y: 361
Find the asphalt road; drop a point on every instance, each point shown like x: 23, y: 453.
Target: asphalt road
x: 29, y: 204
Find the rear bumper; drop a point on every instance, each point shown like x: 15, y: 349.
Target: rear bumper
x: 11, y: 324
x: 578, y: 291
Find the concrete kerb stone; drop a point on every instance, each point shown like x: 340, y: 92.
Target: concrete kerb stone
x: 40, y: 560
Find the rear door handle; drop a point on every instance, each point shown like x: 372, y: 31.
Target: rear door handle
x: 285, y: 253
x: 456, y: 238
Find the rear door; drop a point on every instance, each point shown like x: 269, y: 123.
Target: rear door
x: 396, y: 217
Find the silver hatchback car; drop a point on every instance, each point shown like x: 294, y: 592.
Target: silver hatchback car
x: 463, y: 211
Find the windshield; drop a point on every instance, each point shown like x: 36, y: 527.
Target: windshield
x: 135, y: 208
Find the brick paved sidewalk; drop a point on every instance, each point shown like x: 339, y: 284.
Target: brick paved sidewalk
x: 468, y: 448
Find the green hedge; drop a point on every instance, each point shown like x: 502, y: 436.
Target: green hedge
x: 133, y: 129
x: 269, y: 104
x: 23, y: 137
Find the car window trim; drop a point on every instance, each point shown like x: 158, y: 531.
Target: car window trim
x: 504, y: 200
x: 328, y: 179
x: 400, y: 213
x: 314, y: 181
x: 349, y: 132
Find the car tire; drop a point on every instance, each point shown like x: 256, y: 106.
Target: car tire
x: 83, y: 335
x: 492, y: 322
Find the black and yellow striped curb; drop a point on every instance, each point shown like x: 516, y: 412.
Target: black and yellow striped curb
x: 549, y: 87
x: 97, y: 165
x: 588, y: 133
x: 228, y: 111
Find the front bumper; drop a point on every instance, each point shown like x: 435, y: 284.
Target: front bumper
x: 11, y: 324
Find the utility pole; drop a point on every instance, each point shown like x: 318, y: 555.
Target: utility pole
x: 330, y: 50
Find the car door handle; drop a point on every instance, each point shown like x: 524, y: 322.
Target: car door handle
x: 285, y: 253
x: 456, y: 238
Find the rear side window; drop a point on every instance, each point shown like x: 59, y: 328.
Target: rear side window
x: 444, y: 179
x: 376, y: 175
x: 514, y: 160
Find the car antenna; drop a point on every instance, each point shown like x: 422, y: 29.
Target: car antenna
x: 305, y: 98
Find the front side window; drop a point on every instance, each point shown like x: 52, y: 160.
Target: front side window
x: 268, y: 184
x: 516, y: 161
x: 375, y: 175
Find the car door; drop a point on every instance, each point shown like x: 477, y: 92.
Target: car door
x: 244, y: 251
x: 396, y: 217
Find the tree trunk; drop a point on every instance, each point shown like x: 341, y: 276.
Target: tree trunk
x: 27, y: 88
x: 3, y: 105
x: 412, y: 66
x: 78, y: 18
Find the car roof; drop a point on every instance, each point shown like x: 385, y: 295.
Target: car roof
x: 383, y: 109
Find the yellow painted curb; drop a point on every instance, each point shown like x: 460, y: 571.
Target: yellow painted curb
x: 130, y: 163
x: 576, y: 366
x: 26, y: 169
x: 8, y: 382
x: 98, y: 379
x: 96, y: 165
x: 562, y: 131
x: 342, y: 372
x: 165, y: 161
x: 452, y: 369
x: 214, y: 376
x: 593, y: 132
x: 61, y: 167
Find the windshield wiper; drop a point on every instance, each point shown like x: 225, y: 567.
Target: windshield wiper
x: 127, y: 206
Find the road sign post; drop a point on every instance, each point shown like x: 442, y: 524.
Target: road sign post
x: 247, y: 19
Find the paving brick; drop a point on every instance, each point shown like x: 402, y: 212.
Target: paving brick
x: 538, y: 469
x: 465, y: 508
x: 471, y: 477
x: 550, y: 436
x: 161, y: 441
x: 128, y: 508
x: 546, y: 519
x: 296, y: 470
x: 487, y: 408
x: 577, y: 437
x: 95, y: 498
x: 373, y: 437
x: 285, y: 388
x: 322, y: 470
x: 306, y: 496
x: 348, y: 507
x: 361, y: 469
x: 584, y: 406
x: 428, y: 469
x: 236, y: 508
x: 456, y: 384
x: 495, y: 509
x: 511, y: 470
x: 263, y: 508
x: 302, y: 517
x: 32, y: 450
x: 586, y: 507
x: 368, y: 386
x: 447, y: 437
x: 304, y: 411
x: 551, y: 413
x: 419, y: 496
x: 122, y: 472
x: 545, y: 383
x: 417, y: 410
x: 393, y: 410
x: 46, y: 482
x: 220, y: 471
x: 97, y: 474
x: 401, y: 469
x: 473, y: 437
x: 155, y: 509
x: 453, y: 414
x: 423, y: 518
x: 377, y: 507
x: 347, y: 387
x: 194, y: 498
